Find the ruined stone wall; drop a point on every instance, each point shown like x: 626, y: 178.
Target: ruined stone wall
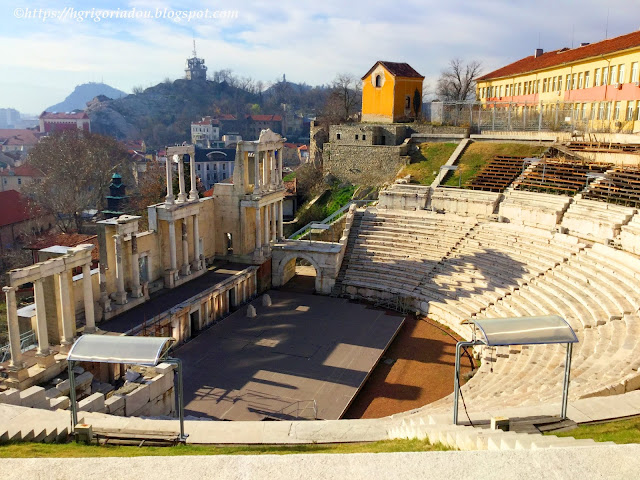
x: 318, y: 136
x: 365, y: 165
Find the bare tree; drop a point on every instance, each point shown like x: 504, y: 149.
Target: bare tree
x: 346, y: 95
x: 458, y: 81
x: 77, y: 169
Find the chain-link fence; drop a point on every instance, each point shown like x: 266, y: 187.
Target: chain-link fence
x: 543, y: 116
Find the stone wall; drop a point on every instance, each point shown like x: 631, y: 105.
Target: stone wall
x: 365, y: 165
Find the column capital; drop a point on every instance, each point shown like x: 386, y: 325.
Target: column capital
x: 9, y: 289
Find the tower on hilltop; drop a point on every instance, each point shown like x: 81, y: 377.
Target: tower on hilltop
x: 196, y: 69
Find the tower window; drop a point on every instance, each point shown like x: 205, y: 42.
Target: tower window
x: 378, y: 80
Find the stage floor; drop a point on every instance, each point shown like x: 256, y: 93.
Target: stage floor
x: 300, y: 349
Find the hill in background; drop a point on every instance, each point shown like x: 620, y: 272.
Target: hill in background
x: 78, y: 99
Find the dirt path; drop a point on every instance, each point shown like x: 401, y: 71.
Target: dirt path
x: 422, y: 373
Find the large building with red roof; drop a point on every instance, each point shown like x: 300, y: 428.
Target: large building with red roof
x: 600, y: 82
x: 55, y: 121
x: 15, y: 178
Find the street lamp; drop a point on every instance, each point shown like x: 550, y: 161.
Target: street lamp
x: 452, y: 168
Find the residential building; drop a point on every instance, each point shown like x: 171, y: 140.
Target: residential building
x: 256, y: 123
x: 15, y: 178
x: 205, y: 132
x: 56, y: 121
x: 389, y: 91
x: 214, y: 165
x: 600, y: 82
x: 15, y: 140
x: 17, y: 219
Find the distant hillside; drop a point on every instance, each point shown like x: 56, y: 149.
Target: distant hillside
x: 162, y: 115
x: 78, y: 99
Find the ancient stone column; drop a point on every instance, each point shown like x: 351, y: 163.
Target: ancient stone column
x: 274, y: 221
x: 186, y: 268
x: 258, y: 230
x: 280, y: 150
x: 172, y: 246
x: 193, y: 193
x: 273, y: 168
x: 256, y: 174
x: 14, y: 328
x: 197, y: 264
x: 105, y: 301
x: 87, y: 292
x: 280, y: 220
x: 182, y: 196
x: 169, y: 199
x: 267, y: 225
x: 255, y: 283
x: 227, y: 307
x: 136, y: 288
x: 121, y: 294
x: 265, y: 169
x: 41, y: 318
x: 68, y: 317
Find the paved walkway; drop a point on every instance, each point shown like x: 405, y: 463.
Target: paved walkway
x: 602, y: 462
x: 166, y: 299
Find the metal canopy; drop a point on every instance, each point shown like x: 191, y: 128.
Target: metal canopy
x: 546, y: 329
x: 147, y: 351
x: 525, y: 330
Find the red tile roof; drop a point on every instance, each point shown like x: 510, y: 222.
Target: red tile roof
x: 21, y: 171
x: 63, y: 115
x: 565, y: 55
x: 265, y: 118
x: 206, y: 121
x: 15, y: 208
x: 18, y: 137
x: 66, y: 240
x: 226, y: 116
x: 396, y: 69
x: 208, y: 193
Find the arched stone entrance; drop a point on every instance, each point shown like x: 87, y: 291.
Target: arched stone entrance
x: 324, y: 261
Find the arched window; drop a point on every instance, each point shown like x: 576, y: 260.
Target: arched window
x: 378, y: 80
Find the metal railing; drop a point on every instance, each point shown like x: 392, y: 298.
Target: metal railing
x: 294, y: 411
x: 330, y: 219
x: 27, y: 342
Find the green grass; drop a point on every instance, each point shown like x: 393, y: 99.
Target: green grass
x: 289, y: 177
x: 478, y: 154
x: 426, y: 162
x: 620, y: 431
x: 73, y: 450
x: 339, y: 198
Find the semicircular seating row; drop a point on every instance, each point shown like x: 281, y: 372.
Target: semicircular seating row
x: 455, y: 268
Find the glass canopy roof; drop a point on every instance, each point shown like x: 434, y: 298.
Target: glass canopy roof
x: 148, y: 351
x: 525, y: 330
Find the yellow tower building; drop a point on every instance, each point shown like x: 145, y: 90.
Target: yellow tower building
x: 389, y: 93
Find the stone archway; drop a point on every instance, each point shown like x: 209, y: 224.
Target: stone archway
x: 285, y: 270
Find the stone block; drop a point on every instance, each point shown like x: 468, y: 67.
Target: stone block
x: 10, y: 396
x: 62, y: 403
x: 52, y: 393
x: 115, y: 405
x: 135, y: 400
x: 84, y: 433
x: 93, y: 403
x: 251, y: 311
x: 32, y: 396
x: 160, y: 384
x: 266, y: 300
x: 163, y: 368
x: 500, y: 423
x: 82, y: 382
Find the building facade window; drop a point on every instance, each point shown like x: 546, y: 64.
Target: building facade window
x: 580, y: 84
x: 614, y: 77
x: 584, y: 111
x: 634, y: 72
x: 616, y: 111
x: 629, y: 116
x: 567, y: 85
x: 605, y: 75
x: 621, y: 78
x: 601, y: 111
x: 574, y: 79
x: 586, y: 80
x: 596, y: 77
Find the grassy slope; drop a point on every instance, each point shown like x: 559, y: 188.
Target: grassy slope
x: 38, y: 450
x: 620, y: 431
x: 427, y: 161
x: 479, y: 153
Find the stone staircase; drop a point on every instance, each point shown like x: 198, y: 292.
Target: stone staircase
x: 25, y: 424
x: 463, y: 437
x: 353, y: 235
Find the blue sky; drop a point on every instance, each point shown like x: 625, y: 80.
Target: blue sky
x: 310, y: 42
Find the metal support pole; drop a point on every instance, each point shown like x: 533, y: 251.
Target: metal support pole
x: 456, y: 378
x: 72, y: 396
x: 565, y: 388
x: 178, y: 363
